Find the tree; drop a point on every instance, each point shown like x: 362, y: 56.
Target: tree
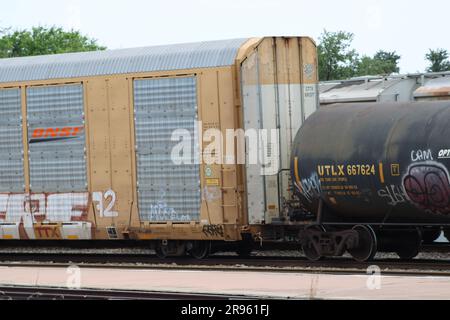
x: 336, y: 59
x: 40, y: 41
x: 382, y: 63
x: 438, y: 60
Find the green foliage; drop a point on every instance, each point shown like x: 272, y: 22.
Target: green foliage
x: 41, y: 41
x: 336, y: 59
x: 382, y: 63
x: 438, y: 60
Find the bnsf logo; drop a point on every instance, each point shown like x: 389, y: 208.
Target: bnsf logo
x: 53, y: 134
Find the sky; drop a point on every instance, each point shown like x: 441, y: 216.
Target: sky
x: 408, y: 27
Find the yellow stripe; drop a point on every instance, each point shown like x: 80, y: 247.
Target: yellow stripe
x: 297, y: 176
x: 381, y: 173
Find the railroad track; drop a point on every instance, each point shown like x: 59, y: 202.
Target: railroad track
x: 439, y: 247
x: 226, y: 263
x: 341, y: 266
x: 47, y: 293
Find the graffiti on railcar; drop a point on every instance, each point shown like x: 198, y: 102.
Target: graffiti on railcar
x: 45, y: 216
x: 213, y: 230
x: 163, y: 211
x: 211, y: 194
x: 444, y: 154
x: 310, y: 187
x: 60, y: 207
x: 427, y: 185
x: 395, y: 195
x: 421, y: 155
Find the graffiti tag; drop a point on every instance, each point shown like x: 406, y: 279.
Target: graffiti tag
x: 394, y: 194
x: 214, y: 230
x: 427, y: 186
x: 162, y: 212
x: 68, y: 207
x: 311, y: 187
x: 211, y: 194
x: 444, y: 154
x: 421, y: 155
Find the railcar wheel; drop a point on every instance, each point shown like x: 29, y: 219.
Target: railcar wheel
x: 367, y: 248
x: 200, y: 250
x: 406, y: 253
x: 162, y: 251
x: 165, y: 249
x: 410, y: 245
x: 309, y: 249
x: 245, y: 248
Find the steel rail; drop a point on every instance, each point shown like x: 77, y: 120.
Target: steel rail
x: 229, y: 263
x: 53, y: 293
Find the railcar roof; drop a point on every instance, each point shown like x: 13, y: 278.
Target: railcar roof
x: 146, y: 59
x: 355, y: 90
x: 434, y: 88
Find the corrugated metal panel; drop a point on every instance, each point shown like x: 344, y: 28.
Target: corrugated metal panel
x: 57, y: 158
x: 148, y: 59
x: 167, y: 192
x: 360, y: 90
x: 369, y: 89
x: 11, y: 145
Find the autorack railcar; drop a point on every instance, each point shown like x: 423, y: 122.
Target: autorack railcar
x: 87, y: 141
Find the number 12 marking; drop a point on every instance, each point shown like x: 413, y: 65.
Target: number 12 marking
x: 101, y: 199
